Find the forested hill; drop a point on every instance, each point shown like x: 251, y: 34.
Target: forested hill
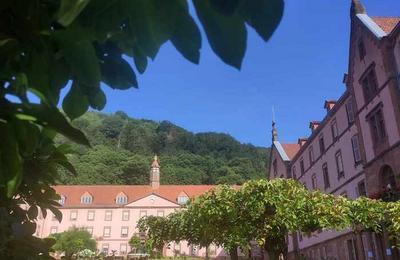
x: 123, y: 149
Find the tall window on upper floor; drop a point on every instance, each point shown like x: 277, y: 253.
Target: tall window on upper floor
x: 361, y: 50
x: 325, y: 173
x: 334, y: 130
x: 86, y: 199
x: 314, y: 182
x: 311, y: 155
x: 356, y: 148
x: 321, y: 144
x: 108, y: 215
x: 275, y: 167
x: 339, y: 164
x: 377, y: 125
x: 350, y: 111
x: 369, y: 84
x: 302, y: 170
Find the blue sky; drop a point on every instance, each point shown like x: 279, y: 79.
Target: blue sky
x: 300, y: 67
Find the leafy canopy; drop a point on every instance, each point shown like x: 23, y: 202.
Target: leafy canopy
x: 73, y: 241
x: 47, y: 45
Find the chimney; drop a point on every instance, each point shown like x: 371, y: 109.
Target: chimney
x: 314, y: 125
x: 356, y: 8
x: 155, y: 174
x: 329, y: 104
x: 302, y: 141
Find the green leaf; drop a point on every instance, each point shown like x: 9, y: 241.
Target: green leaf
x: 117, y: 73
x: 10, y: 160
x: 227, y: 35
x: 69, y: 10
x: 186, y: 37
x: 79, y: 53
x: 140, y: 59
x: 263, y: 15
x: 98, y: 101
x: 51, y: 117
x: 75, y: 102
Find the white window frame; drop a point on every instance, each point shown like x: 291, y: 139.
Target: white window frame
x: 124, y: 234
x: 90, y: 215
x: 108, y: 217
x: 355, y: 143
x: 125, y: 215
x: 107, y: 234
x: 73, y: 215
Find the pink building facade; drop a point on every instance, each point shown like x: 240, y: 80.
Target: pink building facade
x: 354, y: 151
x: 110, y: 212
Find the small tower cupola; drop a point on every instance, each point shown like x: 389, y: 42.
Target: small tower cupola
x: 274, y: 132
x: 155, y: 173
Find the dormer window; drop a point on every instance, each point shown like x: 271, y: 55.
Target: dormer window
x: 182, y: 200
x: 86, y: 199
x: 61, y: 201
x: 121, y: 200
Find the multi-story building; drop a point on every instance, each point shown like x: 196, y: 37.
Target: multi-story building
x: 354, y: 151
x: 111, y: 212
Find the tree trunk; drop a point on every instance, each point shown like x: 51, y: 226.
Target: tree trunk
x: 234, y: 254
x: 207, y: 256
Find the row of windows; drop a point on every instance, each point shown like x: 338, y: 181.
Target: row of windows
x: 108, y: 215
x: 338, y: 159
x: 123, y: 248
x: 106, y: 231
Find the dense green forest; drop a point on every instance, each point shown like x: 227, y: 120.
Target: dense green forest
x: 123, y: 148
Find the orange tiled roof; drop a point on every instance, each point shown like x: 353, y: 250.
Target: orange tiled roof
x: 104, y: 195
x: 291, y: 149
x: 387, y: 24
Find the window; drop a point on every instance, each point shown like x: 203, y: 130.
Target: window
x: 325, y: 173
x: 369, y: 85
x: 160, y: 213
x: 124, y: 231
x: 302, y: 166
x: 275, y: 167
x: 62, y: 200
x: 86, y: 199
x: 334, y: 130
x: 361, y: 190
x: 90, y: 215
x: 123, y: 248
x: 53, y: 217
x: 108, y: 215
x: 300, y: 236
x: 321, y: 144
x: 90, y: 230
x: 121, y: 200
x: 107, y: 232
x: 125, y: 215
x: 104, y: 249
x: 73, y: 215
x: 294, y: 175
x: 361, y: 50
x: 182, y: 200
x: 377, y: 126
x: 339, y: 164
x: 53, y: 230
x: 350, y: 111
x: 311, y: 155
x: 356, y: 148
x: 314, y: 182
x: 143, y: 213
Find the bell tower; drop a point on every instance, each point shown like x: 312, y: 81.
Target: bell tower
x: 155, y: 174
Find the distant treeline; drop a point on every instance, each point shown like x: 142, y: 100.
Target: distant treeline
x: 123, y: 149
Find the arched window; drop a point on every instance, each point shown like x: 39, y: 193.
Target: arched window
x: 86, y: 199
x: 121, y: 199
x: 388, y: 179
